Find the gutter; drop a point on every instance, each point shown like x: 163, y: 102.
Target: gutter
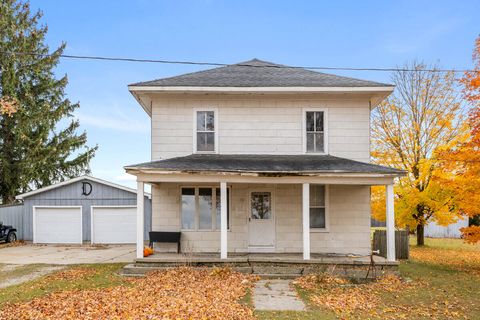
x: 334, y: 173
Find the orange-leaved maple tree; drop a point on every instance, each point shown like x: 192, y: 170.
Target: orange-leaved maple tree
x: 463, y: 160
x: 422, y: 116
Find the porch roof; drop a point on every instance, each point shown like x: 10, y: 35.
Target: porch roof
x: 266, y: 164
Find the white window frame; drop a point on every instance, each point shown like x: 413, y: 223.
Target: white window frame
x: 327, y: 210
x: 325, y: 129
x: 215, y: 131
x: 197, y: 212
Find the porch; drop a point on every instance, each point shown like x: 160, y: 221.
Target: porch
x: 288, y: 265
x: 288, y: 185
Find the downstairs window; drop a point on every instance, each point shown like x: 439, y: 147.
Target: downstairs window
x: 317, y: 207
x: 200, y: 208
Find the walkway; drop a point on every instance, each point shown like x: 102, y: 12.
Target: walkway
x: 276, y: 295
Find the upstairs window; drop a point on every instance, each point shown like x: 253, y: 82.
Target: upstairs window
x: 205, y: 131
x: 315, y: 131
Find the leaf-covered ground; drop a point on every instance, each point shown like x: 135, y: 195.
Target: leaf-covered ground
x: 376, y: 300
x: 181, y: 293
x: 441, y: 281
x: 462, y: 258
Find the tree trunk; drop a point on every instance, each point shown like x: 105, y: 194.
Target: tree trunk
x: 420, y: 235
x: 8, y: 199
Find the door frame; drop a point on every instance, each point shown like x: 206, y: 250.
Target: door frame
x: 253, y: 248
x: 34, y: 220
x: 103, y: 206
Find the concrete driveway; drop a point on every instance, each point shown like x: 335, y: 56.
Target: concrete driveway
x: 56, y: 254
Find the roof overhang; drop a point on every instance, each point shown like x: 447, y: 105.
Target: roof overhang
x: 73, y: 180
x: 141, y: 93
x: 343, y: 178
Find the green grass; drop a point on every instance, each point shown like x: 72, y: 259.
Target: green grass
x: 105, y: 275
x: 293, y: 315
x: 19, y: 271
x: 438, y: 283
x: 247, y: 299
x: 441, y: 283
x: 446, y: 243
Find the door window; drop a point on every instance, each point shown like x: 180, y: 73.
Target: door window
x: 261, y: 205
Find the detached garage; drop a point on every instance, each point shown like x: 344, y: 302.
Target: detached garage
x: 83, y: 209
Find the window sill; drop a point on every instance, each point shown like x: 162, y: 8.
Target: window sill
x: 199, y: 230
x: 316, y: 153
x: 319, y: 230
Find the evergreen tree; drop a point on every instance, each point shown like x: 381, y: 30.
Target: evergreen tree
x: 39, y: 144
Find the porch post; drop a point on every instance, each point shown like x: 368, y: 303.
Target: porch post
x: 390, y: 223
x: 223, y: 220
x: 306, y: 220
x: 140, y: 196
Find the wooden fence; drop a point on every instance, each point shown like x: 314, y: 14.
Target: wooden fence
x: 375, y: 223
x: 401, y: 243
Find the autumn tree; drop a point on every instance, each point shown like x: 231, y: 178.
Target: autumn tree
x: 38, y: 140
x: 423, y: 115
x: 463, y: 160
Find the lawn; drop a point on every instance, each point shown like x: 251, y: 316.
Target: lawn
x: 97, y: 292
x: 441, y: 281
x: 73, y: 278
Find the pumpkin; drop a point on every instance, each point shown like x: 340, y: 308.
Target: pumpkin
x: 147, y: 251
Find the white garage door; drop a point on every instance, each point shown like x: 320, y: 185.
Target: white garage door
x: 114, y: 224
x: 57, y: 225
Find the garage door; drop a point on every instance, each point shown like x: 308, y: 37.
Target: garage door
x: 114, y: 224
x: 57, y: 225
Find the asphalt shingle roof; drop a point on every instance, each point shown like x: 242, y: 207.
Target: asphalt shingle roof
x: 265, y: 164
x: 258, y: 73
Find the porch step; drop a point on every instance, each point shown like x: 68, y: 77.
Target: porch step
x: 279, y: 276
x: 196, y: 264
x: 142, y: 269
x: 272, y: 272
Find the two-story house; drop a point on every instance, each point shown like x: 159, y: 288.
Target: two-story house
x: 261, y: 157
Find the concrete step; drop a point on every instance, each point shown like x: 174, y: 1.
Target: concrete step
x: 131, y: 275
x: 142, y: 269
x: 279, y: 276
x: 171, y: 264
x: 274, y: 269
x: 132, y: 269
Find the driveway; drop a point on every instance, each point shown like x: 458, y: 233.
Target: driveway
x: 64, y: 255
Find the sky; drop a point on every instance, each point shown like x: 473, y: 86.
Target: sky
x: 298, y: 33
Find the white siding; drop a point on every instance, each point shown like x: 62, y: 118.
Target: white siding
x: 349, y: 214
x: 261, y: 125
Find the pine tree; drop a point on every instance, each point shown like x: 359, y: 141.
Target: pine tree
x: 39, y: 143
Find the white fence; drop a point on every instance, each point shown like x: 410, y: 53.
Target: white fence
x: 433, y: 230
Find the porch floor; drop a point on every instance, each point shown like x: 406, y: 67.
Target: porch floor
x: 274, y: 258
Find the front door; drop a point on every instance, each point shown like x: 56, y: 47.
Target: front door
x: 261, y: 222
